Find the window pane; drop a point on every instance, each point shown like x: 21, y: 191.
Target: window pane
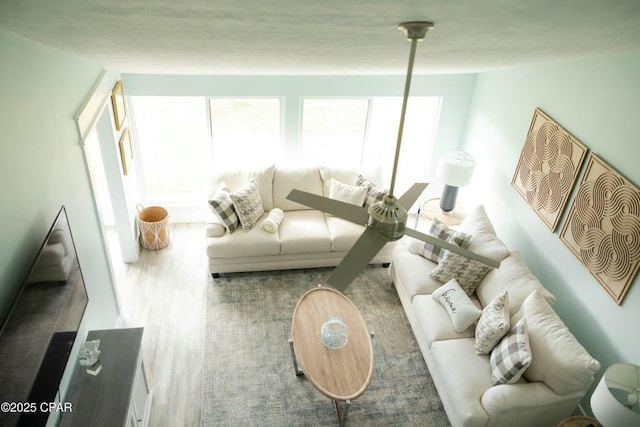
x: 333, y: 130
x: 245, y: 130
x: 174, y: 149
x: 417, y: 140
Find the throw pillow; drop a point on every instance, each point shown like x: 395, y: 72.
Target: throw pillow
x: 440, y: 230
x: 461, y: 309
x: 248, y: 205
x: 512, y: 356
x: 222, y: 207
x: 467, y: 271
x: 374, y: 193
x: 352, y: 194
x: 560, y: 360
x: 493, y: 324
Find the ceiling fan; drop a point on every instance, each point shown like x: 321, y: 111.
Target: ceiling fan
x: 385, y: 220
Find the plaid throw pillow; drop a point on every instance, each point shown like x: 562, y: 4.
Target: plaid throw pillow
x: 222, y: 207
x: 441, y: 231
x: 512, y: 356
x: 374, y: 193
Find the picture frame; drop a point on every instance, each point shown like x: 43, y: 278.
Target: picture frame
x: 603, y: 227
x: 548, y: 168
x: 119, y: 108
x: 126, y: 152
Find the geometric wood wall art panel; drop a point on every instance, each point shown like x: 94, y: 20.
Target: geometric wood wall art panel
x: 603, y: 227
x: 549, y: 165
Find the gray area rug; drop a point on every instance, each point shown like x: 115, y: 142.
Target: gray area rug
x: 248, y: 373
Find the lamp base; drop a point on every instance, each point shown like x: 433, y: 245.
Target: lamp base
x: 448, y: 198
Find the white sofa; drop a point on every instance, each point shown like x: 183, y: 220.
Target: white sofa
x: 306, y: 238
x: 560, y: 372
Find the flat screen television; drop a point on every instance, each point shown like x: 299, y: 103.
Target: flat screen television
x: 37, y: 338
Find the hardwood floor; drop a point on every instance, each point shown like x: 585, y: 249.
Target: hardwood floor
x: 165, y: 292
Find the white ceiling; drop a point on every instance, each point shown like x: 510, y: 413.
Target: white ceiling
x: 243, y: 37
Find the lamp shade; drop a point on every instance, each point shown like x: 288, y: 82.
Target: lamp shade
x: 614, y: 402
x: 455, y: 168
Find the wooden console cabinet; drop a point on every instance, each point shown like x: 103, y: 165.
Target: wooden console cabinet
x: 120, y: 395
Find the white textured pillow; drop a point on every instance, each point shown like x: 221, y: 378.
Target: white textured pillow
x: 352, y: 194
x: 493, y: 324
x: 248, y: 204
x: 458, y: 304
x: 512, y: 356
x: 559, y: 360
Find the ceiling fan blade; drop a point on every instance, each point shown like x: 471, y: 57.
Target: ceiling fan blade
x: 353, y: 213
x: 451, y: 247
x: 411, y: 195
x: 356, y: 260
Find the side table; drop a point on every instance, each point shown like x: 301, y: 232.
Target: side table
x: 579, y: 421
x: 431, y: 209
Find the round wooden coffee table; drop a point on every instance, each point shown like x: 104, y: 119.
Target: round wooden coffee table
x: 344, y: 374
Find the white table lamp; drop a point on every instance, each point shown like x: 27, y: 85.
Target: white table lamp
x: 614, y: 402
x: 454, y: 170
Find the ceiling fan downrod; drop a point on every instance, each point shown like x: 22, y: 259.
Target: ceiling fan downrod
x: 415, y: 31
x: 387, y: 216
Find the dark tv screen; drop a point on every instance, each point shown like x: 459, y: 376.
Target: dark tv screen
x: 40, y: 331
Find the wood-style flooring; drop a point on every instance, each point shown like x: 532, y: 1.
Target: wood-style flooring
x: 165, y: 292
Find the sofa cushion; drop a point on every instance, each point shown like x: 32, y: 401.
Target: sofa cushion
x: 467, y: 271
x: 465, y: 378
x: 222, y: 207
x: 434, y: 322
x: 493, y: 324
x: 285, y: 179
x: 461, y: 310
x: 477, y: 222
x: 441, y: 231
x: 514, y: 277
x: 343, y: 233
x: 352, y: 194
x: 236, y: 178
x: 512, y: 356
x: 254, y: 242
x: 247, y: 204
x: 559, y: 359
x: 304, y: 231
x: 413, y: 270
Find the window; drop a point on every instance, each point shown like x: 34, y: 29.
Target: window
x: 333, y: 130
x: 173, y: 142
x: 245, y: 130
x: 363, y: 133
x: 417, y: 140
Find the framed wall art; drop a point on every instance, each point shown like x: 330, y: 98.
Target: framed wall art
x: 548, y: 167
x: 126, y: 153
x: 117, y: 101
x: 603, y: 227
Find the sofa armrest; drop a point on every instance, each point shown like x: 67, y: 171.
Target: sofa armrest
x: 510, y: 404
x: 215, y: 229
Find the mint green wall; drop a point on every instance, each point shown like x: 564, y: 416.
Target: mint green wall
x: 456, y: 91
x: 598, y: 101
x: 42, y: 167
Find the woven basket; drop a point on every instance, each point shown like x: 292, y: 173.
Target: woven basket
x: 153, y: 226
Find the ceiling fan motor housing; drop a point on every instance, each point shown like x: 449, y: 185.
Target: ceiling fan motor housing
x: 388, y: 218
